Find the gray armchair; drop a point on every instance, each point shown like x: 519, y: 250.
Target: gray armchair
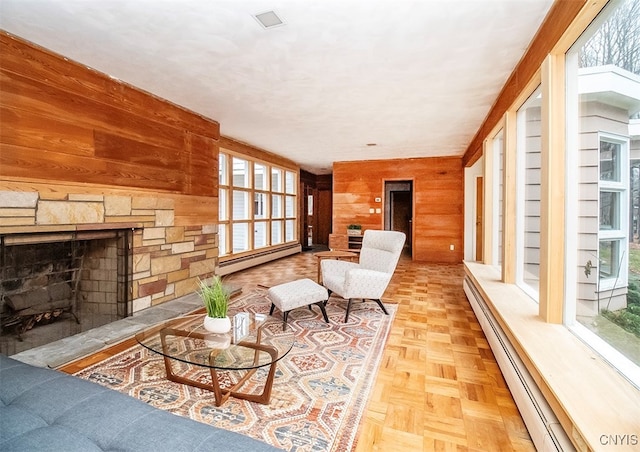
x: 369, y: 278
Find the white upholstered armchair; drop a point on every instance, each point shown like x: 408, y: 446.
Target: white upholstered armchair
x: 367, y: 279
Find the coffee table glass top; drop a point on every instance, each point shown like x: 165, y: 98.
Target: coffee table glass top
x: 255, y: 340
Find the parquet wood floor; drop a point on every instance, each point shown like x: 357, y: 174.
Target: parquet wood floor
x: 439, y: 387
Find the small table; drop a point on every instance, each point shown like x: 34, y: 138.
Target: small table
x: 334, y: 254
x: 255, y: 340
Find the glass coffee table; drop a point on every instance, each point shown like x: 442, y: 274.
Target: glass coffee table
x: 255, y: 341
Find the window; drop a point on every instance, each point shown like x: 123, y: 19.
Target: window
x: 603, y: 80
x: 528, y: 177
x: 498, y: 210
x: 257, y: 205
x: 613, y: 187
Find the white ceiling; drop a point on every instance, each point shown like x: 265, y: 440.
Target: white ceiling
x: 415, y: 77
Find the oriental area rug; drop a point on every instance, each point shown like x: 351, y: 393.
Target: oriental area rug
x: 319, y: 392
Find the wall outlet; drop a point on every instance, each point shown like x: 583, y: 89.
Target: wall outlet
x: 451, y: 247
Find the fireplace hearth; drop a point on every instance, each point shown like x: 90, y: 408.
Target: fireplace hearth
x: 55, y: 285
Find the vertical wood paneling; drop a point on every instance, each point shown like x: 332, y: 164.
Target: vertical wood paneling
x: 438, y: 196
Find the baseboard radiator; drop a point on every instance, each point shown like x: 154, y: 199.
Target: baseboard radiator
x: 242, y: 263
x: 546, y: 432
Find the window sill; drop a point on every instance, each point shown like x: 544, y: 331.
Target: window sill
x: 592, y: 401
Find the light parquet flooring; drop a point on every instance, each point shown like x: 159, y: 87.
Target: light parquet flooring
x: 439, y: 387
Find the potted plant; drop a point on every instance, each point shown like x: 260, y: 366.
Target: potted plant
x: 215, y: 297
x: 354, y: 229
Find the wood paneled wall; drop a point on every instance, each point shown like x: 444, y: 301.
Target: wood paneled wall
x: 438, y: 201
x: 320, y: 188
x: 64, y: 123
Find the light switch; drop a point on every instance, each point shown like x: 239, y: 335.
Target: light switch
x: 372, y: 210
x: 378, y: 210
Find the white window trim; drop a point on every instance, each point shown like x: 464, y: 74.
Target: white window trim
x: 616, y: 359
x: 622, y: 233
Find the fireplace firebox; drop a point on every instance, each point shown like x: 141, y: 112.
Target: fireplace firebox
x: 54, y: 285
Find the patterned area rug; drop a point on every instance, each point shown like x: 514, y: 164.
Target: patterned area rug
x: 319, y: 393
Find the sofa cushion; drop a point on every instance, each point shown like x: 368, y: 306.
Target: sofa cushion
x: 43, y: 409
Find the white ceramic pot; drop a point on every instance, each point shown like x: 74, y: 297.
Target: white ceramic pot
x: 219, y: 326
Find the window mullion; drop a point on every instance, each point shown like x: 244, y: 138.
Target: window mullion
x: 552, y: 212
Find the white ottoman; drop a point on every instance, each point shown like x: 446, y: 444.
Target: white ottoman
x: 295, y: 294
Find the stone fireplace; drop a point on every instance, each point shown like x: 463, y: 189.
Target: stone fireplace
x: 87, y: 259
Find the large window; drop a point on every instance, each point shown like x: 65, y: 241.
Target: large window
x: 571, y: 209
x: 603, y: 99
x: 529, y: 176
x: 257, y: 205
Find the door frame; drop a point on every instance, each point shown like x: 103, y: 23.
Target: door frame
x: 406, y: 185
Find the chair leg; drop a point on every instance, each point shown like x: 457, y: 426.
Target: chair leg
x: 346, y: 317
x: 381, y: 306
x: 328, y: 296
x: 272, y: 308
x: 324, y: 311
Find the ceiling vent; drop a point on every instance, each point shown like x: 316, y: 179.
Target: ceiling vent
x: 269, y: 19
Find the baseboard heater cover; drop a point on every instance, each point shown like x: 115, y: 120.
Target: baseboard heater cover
x: 544, y: 428
x: 244, y: 262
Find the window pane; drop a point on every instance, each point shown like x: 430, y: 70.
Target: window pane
x: 609, y: 256
x: 240, y: 205
x: 260, y: 234
x: 290, y: 208
x: 601, y: 130
x: 276, y: 180
x: 241, y: 173
x: 222, y: 239
x: 498, y: 152
x: 276, y: 206
x: 223, y: 169
x: 290, y: 182
x: 609, y: 210
x: 290, y: 230
x: 529, y: 143
x: 260, y: 208
x: 240, y: 237
x: 260, y: 177
x: 609, y: 161
x: 277, y: 232
x: 223, y: 213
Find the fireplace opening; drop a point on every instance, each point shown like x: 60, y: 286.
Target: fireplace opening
x: 55, y: 285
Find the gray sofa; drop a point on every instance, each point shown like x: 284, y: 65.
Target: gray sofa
x: 43, y: 409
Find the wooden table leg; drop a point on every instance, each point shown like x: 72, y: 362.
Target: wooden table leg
x: 222, y: 395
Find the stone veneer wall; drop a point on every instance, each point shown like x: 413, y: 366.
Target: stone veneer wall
x: 167, y: 258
